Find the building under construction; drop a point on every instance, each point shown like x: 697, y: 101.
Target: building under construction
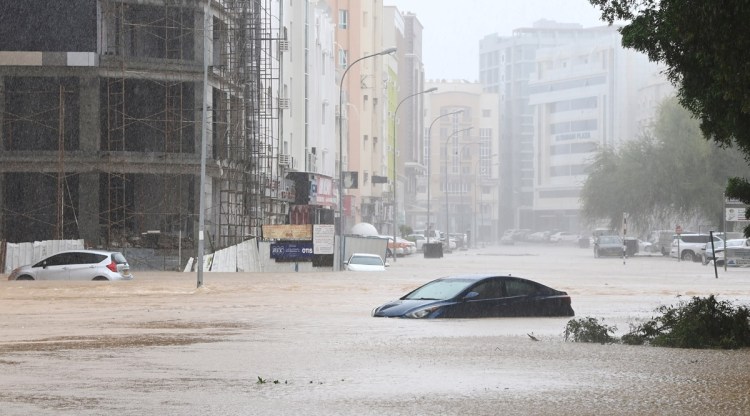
x: 101, y: 108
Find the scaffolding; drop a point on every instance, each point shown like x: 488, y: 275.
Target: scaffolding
x: 147, y: 156
x: 249, y: 73
x: 243, y: 115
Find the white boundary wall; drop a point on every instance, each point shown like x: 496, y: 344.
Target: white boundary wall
x: 21, y: 254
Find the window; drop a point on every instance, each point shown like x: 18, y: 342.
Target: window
x: 343, y: 58
x: 492, y: 289
x: 343, y: 19
x: 520, y: 288
x: 486, y: 113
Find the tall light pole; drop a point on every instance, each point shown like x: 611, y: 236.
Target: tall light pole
x: 429, y: 163
x: 395, y: 178
x: 341, y: 151
x: 204, y: 127
x: 447, y: 204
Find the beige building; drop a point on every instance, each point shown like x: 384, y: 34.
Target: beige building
x: 462, y: 161
x: 359, y: 34
x: 406, y: 113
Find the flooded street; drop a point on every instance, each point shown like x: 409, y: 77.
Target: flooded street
x: 305, y: 344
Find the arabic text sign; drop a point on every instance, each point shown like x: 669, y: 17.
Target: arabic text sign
x: 323, y: 235
x: 735, y: 214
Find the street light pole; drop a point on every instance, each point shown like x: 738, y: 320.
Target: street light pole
x: 395, y: 178
x: 341, y: 152
x: 429, y: 163
x: 204, y: 127
x: 447, y: 204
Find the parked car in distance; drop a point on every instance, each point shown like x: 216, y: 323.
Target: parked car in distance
x: 432, y: 236
x: 563, y: 237
x: 418, y: 240
x: 717, y: 252
x: 449, y: 243
x: 76, y: 265
x: 400, y: 247
x: 598, y: 232
x: 410, y: 247
x: 736, y: 256
x: 690, y: 245
x: 539, y: 236
x: 478, y: 296
x: 608, y: 245
x: 661, y: 241
x: 365, y: 262
x: 462, y: 240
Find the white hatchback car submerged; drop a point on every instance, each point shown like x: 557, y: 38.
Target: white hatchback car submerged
x: 76, y: 265
x: 365, y: 262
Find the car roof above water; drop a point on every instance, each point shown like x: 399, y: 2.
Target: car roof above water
x: 475, y: 277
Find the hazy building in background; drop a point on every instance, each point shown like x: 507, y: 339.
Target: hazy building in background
x: 463, y: 164
x: 585, y: 95
x: 564, y: 91
x: 408, y: 78
x: 505, y: 66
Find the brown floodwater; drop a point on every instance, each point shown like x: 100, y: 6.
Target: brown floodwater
x: 305, y: 344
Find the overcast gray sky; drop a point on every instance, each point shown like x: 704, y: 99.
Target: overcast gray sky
x: 453, y: 28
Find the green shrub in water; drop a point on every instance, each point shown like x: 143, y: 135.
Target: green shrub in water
x: 700, y: 323
x: 589, y: 330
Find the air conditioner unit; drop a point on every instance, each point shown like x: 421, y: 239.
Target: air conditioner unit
x: 285, y: 160
x: 283, y: 45
x: 284, y: 103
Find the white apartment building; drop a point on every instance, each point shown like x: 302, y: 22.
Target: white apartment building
x: 505, y: 65
x: 308, y: 97
x: 585, y: 95
x: 564, y: 90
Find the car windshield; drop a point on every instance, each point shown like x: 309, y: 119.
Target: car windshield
x: 609, y: 240
x: 367, y: 260
x: 440, y: 289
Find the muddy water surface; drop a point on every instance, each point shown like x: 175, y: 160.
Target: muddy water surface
x: 305, y: 344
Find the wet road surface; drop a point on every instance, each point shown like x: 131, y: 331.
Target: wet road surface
x: 305, y: 344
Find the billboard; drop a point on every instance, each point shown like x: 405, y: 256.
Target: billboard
x: 287, y: 232
x: 292, y: 251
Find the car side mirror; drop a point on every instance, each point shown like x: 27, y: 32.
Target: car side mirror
x: 387, y: 264
x: 471, y: 295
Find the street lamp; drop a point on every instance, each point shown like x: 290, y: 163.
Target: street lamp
x: 429, y: 163
x: 204, y: 127
x: 395, y: 178
x: 447, y: 205
x: 341, y: 150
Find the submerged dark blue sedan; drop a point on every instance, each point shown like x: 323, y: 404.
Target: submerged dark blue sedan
x: 478, y: 296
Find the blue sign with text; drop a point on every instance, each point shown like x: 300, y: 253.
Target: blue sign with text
x: 292, y: 251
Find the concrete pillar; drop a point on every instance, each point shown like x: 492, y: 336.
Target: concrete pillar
x: 90, y: 135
